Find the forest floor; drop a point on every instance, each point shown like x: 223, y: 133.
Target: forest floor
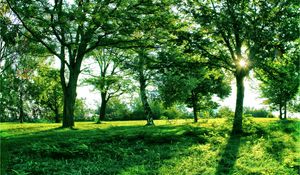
x: 268, y: 146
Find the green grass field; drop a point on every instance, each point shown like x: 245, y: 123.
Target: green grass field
x: 268, y: 146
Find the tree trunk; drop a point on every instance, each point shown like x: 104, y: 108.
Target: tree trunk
x: 21, y: 109
x: 285, y: 111
x: 238, y: 115
x: 280, y: 111
x: 195, y: 109
x: 102, y: 108
x: 143, y: 95
x: 69, y: 102
x: 144, y: 99
x: 56, y: 115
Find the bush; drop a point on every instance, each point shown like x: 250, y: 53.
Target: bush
x: 116, y: 110
x: 225, y: 112
x: 262, y: 113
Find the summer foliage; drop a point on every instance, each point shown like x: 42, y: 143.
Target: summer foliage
x: 161, y: 61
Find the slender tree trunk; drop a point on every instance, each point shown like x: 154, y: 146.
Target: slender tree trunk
x: 144, y: 99
x: 102, y: 108
x: 56, y: 115
x: 280, y: 111
x: 21, y: 109
x: 238, y: 115
x: 285, y: 111
x: 195, y: 108
x: 143, y: 95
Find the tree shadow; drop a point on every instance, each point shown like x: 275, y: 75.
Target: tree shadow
x: 229, y: 155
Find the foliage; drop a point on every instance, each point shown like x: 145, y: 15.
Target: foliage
x: 187, y: 81
x: 169, y: 148
x: 280, y: 84
x: 224, y: 112
x: 72, y: 30
x: 48, y: 91
x: 294, y: 104
x: 18, y: 89
x: 110, y: 82
x: 81, y: 112
x: 225, y: 35
x: 116, y: 110
x: 263, y: 113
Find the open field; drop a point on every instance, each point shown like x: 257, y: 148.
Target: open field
x: 268, y: 146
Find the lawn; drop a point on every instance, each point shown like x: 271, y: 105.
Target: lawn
x: 268, y: 146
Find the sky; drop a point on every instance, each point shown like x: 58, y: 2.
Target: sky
x: 251, y: 97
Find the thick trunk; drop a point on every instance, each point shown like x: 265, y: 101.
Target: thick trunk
x: 69, y: 107
x: 238, y: 115
x: 102, y: 108
x: 69, y: 103
x: 195, y: 109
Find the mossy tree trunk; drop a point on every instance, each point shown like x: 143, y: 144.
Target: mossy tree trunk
x: 143, y: 94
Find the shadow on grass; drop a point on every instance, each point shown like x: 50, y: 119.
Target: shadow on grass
x: 229, y: 155
x: 113, y: 150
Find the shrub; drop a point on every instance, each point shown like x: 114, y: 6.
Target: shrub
x: 225, y: 112
x: 263, y: 113
x: 116, y: 110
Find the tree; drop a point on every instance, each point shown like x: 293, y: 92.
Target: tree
x: 71, y: 30
x: 48, y: 90
x: 17, y: 90
x: 194, y: 85
x: 110, y: 82
x: 238, y: 36
x: 138, y: 63
x: 280, y: 83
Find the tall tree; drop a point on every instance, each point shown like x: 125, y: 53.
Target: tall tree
x: 70, y: 30
x: 238, y: 35
x: 139, y: 62
x: 111, y: 82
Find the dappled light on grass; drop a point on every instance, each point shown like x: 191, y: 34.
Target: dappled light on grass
x: 128, y: 147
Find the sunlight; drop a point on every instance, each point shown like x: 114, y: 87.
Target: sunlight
x: 243, y: 63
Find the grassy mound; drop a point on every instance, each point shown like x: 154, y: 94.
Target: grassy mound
x: 268, y: 146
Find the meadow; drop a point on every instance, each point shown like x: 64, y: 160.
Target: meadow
x: 268, y: 146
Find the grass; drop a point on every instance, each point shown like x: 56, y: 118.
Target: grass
x: 268, y: 146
